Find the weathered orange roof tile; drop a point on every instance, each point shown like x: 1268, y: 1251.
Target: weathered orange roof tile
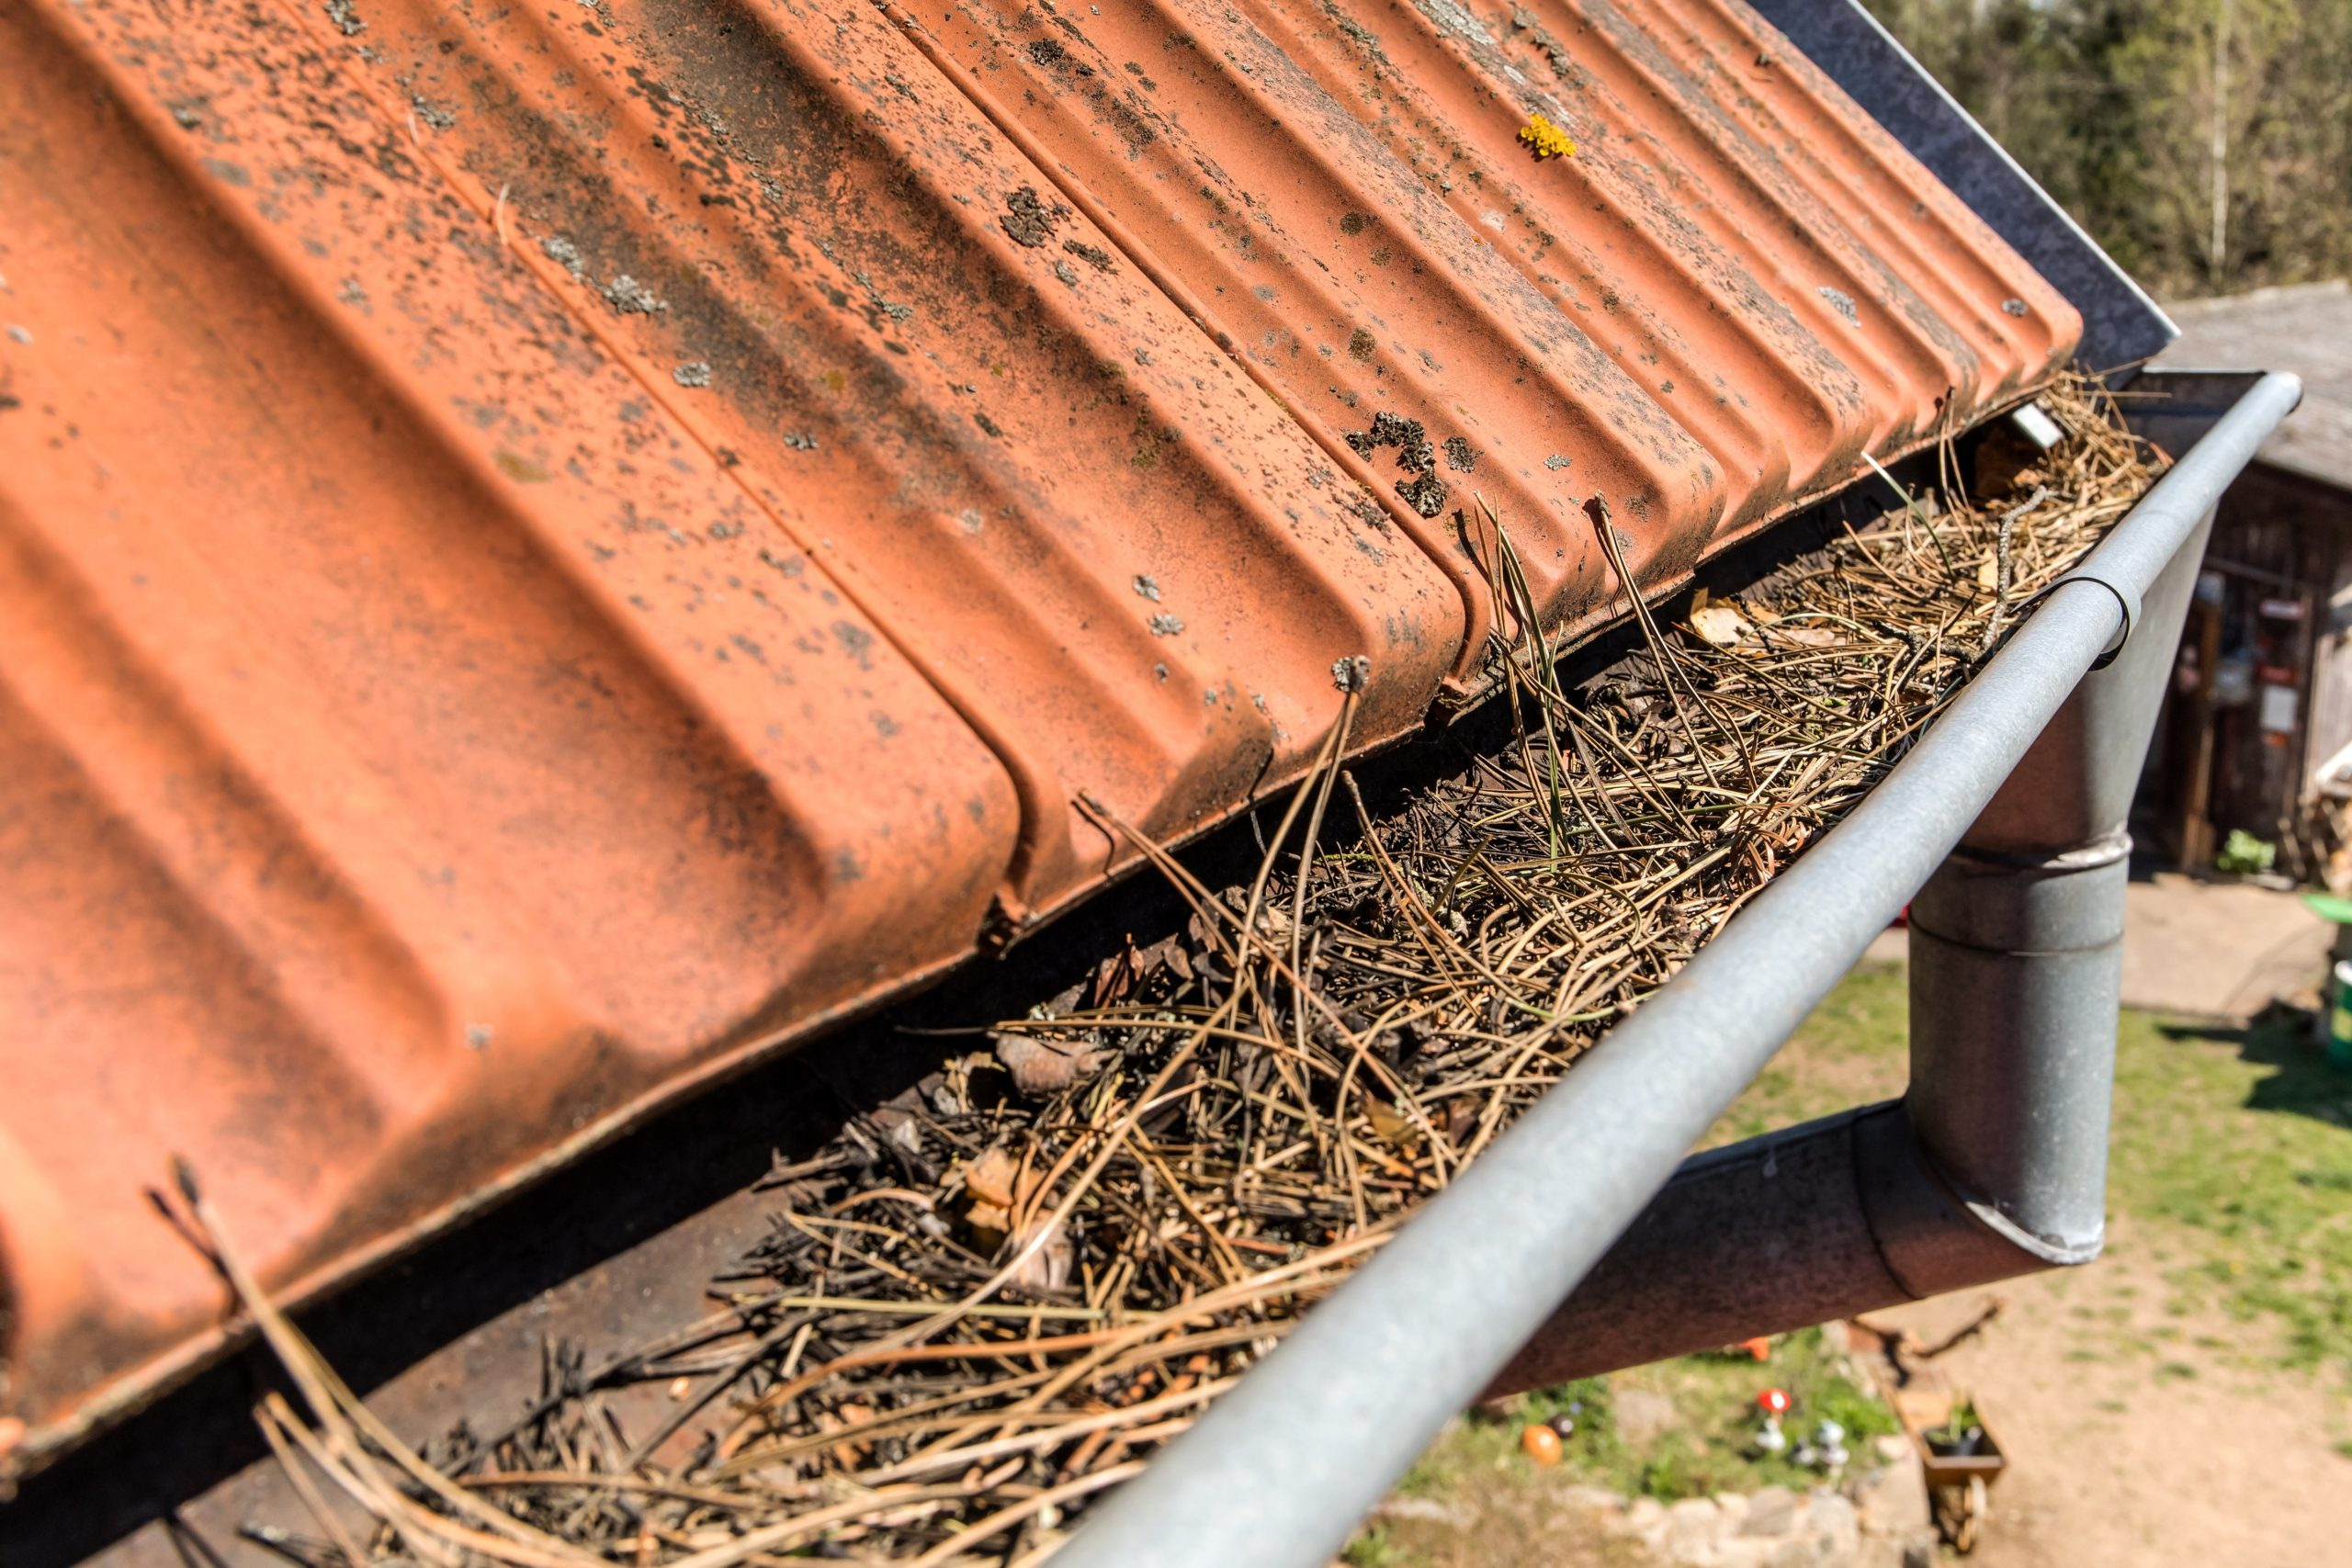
x: 545, y: 549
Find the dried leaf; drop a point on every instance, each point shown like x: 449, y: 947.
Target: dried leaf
x: 1809, y: 636
x: 1719, y: 625
x: 1393, y: 1125
x: 989, y: 1178
x: 1041, y: 1066
x: 1049, y: 1266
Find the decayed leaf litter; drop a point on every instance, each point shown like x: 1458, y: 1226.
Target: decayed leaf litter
x: 993, y: 1297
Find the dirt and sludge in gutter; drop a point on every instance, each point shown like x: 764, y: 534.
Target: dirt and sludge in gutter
x: 989, y: 1300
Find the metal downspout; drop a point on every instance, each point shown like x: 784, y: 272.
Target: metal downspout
x: 2017, y: 957
x: 1277, y: 1473
x: 1994, y: 1164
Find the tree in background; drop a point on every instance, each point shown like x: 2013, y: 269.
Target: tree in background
x: 2112, y: 105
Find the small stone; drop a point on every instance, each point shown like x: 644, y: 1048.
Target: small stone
x: 1892, y: 1499
x: 1593, y: 1500
x: 1773, y: 1511
x: 1644, y: 1518
x: 1148, y: 586
x: 1165, y: 625
x: 1832, y: 1528
x: 1692, y: 1526
x: 694, y: 374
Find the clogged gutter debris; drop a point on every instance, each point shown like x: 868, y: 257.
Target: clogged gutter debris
x: 992, y: 1298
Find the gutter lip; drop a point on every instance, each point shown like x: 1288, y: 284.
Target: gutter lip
x: 1278, y: 1473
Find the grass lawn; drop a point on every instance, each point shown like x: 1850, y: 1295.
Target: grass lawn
x: 2230, y: 1167
x: 1707, y: 1448
x: 2230, y: 1152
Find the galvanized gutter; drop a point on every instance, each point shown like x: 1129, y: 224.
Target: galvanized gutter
x: 1279, y: 1473
x: 1994, y: 1162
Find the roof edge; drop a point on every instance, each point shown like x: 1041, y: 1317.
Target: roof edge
x: 2122, y: 325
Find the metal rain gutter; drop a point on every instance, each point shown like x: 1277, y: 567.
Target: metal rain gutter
x: 1278, y: 1472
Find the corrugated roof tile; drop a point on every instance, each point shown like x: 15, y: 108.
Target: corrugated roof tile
x: 546, y: 549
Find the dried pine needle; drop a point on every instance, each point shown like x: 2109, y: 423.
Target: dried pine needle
x: 987, y: 1304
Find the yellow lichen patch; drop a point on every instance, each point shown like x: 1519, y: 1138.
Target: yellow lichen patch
x: 1548, y: 140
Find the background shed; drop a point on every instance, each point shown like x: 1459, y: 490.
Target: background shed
x: 2261, y: 697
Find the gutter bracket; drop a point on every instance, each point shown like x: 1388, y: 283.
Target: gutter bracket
x: 2125, y: 599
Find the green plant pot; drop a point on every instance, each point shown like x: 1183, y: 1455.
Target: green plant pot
x: 2339, y: 1020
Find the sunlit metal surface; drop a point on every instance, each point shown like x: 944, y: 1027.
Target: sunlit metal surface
x: 545, y: 550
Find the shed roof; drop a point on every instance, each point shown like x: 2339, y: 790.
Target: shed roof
x: 2303, y: 328
x: 546, y: 550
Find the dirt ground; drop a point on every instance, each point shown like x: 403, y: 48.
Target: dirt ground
x: 2123, y: 1455
x: 2143, y: 1427
x: 2217, y: 950
x: 2127, y: 1449
x: 2186, y: 1399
